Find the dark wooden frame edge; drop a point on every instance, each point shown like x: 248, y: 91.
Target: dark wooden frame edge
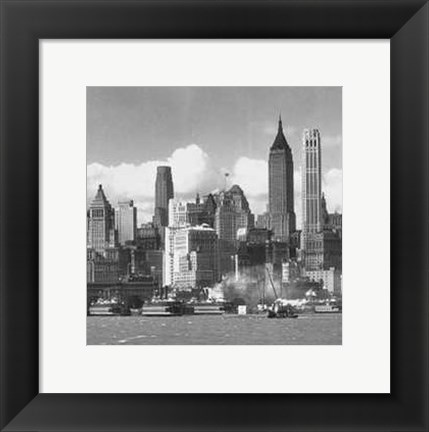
x: 23, y: 23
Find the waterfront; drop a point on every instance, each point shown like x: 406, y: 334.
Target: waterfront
x: 308, y: 329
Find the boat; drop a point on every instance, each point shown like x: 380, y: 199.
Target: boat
x: 107, y: 309
x: 162, y: 308
x: 327, y: 309
x: 135, y: 311
x: 208, y: 309
x: 279, y: 310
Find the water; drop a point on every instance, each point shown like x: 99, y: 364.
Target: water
x: 311, y: 329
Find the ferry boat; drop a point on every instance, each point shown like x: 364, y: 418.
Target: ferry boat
x: 106, y: 309
x: 162, y: 308
x: 208, y: 309
x: 327, y: 309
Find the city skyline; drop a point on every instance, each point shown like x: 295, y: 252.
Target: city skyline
x: 220, y: 235
x: 197, y: 168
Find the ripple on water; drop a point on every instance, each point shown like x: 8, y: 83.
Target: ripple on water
x: 213, y: 330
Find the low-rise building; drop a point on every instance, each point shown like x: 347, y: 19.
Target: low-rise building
x: 330, y: 278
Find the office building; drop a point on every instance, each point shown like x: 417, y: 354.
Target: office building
x: 226, y: 228
x: 110, y: 266
x: 320, y: 241
x: 126, y: 221
x: 312, y: 182
x: 330, y: 278
x: 101, y: 223
x: 183, y: 213
x: 194, y: 257
x: 148, y: 237
x: 244, y: 217
x: 281, y: 188
x: 164, y: 191
x: 319, y: 247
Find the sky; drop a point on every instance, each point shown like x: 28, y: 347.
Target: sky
x: 203, y: 133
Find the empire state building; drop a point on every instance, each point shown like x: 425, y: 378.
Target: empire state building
x: 280, y: 188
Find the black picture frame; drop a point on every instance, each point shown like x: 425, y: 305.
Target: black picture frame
x: 23, y: 23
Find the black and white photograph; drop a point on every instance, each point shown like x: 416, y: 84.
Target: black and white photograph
x: 214, y: 215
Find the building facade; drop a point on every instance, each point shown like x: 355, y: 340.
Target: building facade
x: 290, y: 271
x: 321, y: 246
x: 110, y: 266
x: 148, y: 237
x: 164, y: 191
x: 126, y: 221
x: 226, y: 228
x: 182, y: 213
x: 312, y: 182
x: 101, y: 223
x: 195, y: 257
x: 281, y: 211
x: 331, y: 279
x: 244, y: 218
x: 312, y: 238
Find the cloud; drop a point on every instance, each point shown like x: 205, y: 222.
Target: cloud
x: 193, y: 171
x: 332, y: 186
x: 252, y: 176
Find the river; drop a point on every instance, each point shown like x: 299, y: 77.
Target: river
x: 307, y: 329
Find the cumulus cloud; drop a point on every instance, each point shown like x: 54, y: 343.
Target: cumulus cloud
x: 252, y: 176
x: 332, y: 186
x: 193, y: 171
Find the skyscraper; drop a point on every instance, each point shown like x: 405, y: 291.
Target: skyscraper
x: 126, y: 221
x: 312, y: 239
x: 280, y: 188
x: 312, y: 182
x: 163, y: 192
x: 225, y: 224
x: 101, y: 223
x: 321, y: 247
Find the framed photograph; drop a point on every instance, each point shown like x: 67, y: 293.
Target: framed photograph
x: 175, y: 178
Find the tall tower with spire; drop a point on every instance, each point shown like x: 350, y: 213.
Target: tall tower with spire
x: 281, y: 211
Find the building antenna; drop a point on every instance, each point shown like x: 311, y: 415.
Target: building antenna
x: 226, y: 179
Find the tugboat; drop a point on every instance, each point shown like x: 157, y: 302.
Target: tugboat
x: 279, y: 310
